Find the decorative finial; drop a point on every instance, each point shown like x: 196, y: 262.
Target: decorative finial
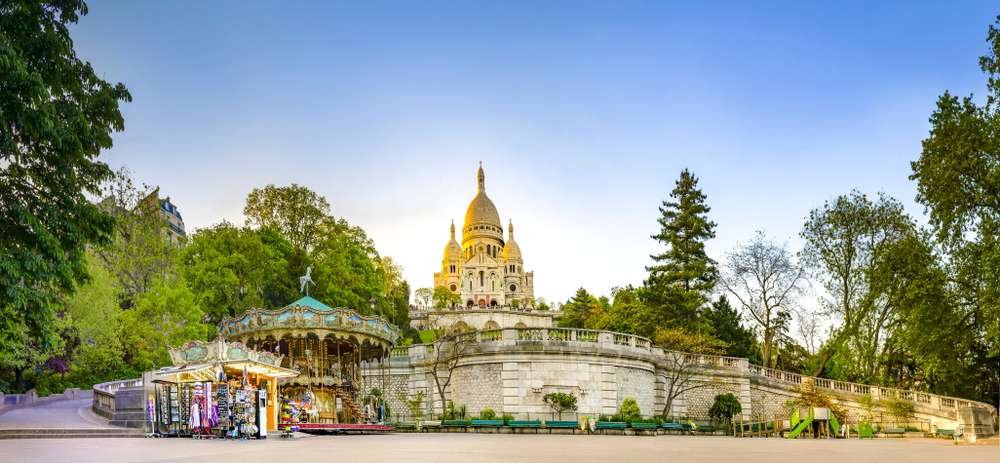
x: 482, y: 178
x: 510, y: 229
x: 452, y: 228
x: 306, y: 280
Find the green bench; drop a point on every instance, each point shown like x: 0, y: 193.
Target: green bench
x: 706, y: 429
x: 610, y: 425
x: 644, y: 427
x: 950, y: 433
x: 894, y: 432
x: 675, y: 427
x: 486, y: 423
x: 562, y: 424
x: 463, y: 424
x: 514, y: 425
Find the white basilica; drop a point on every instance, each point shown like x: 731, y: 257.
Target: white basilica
x: 485, y: 270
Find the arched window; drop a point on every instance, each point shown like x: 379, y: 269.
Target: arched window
x: 493, y: 303
x: 481, y: 278
x: 469, y: 303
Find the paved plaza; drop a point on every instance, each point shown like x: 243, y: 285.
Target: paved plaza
x: 57, y: 414
x: 484, y: 448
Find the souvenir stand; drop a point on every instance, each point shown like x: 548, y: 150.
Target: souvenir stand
x: 215, y: 389
x: 328, y: 346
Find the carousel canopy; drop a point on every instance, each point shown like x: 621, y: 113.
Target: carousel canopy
x: 309, y: 315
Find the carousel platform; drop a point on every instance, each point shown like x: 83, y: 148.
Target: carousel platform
x: 344, y: 428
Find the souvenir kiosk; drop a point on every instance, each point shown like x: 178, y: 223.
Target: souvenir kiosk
x: 215, y: 389
x: 327, y: 346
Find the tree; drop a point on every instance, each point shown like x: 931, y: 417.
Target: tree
x: 560, y: 402
x: 627, y: 313
x: 449, y: 349
x: 166, y: 315
x: 682, y: 276
x: 444, y: 297
x: 726, y: 326
x: 629, y: 410
x: 681, y: 351
x: 93, y: 319
x: 765, y: 281
x: 957, y: 181
x: 724, y: 408
x: 231, y: 269
x: 581, y: 311
x: 56, y: 115
x: 298, y: 213
x: 844, y: 240
x: 424, y: 296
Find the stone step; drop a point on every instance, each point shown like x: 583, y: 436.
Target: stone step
x: 66, y: 433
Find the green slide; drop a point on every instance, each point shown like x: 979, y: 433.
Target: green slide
x: 801, y: 427
x: 834, y: 425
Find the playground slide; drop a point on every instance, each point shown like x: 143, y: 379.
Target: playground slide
x: 801, y: 427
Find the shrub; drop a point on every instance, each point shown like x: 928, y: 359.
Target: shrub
x: 629, y: 410
x: 724, y: 408
x: 454, y: 412
x: 507, y: 417
x: 487, y: 414
x: 560, y: 402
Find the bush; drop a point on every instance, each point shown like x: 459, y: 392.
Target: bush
x: 487, y: 414
x: 507, y: 417
x: 560, y: 402
x: 724, y: 408
x: 454, y: 412
x: 629, y: 410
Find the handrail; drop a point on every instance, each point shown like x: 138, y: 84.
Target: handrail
x: 878, y: 392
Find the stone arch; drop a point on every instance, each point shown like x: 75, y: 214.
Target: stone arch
x: 460, y: 327
x: 491, y: 325
x: 520, y: 325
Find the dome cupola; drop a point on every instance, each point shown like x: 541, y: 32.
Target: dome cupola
x: 511, y: 251
x: 481, y: 217
x: 452, y: 251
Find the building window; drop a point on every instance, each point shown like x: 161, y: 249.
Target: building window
x: 481, y: 278
x: 453, y: 287
x: 513, y: 288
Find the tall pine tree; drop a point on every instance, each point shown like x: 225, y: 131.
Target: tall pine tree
x: 682, y: 277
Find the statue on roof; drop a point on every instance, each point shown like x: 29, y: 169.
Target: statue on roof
x: 306, y: 280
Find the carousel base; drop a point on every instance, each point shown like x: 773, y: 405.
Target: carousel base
x: 344, y: 428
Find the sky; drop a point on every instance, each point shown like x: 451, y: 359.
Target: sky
x: 582, y: 113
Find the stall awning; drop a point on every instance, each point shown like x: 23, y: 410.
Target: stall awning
x: 207, y: 371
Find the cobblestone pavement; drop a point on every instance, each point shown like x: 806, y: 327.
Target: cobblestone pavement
x: 57, y: 414
x: 482, y: 448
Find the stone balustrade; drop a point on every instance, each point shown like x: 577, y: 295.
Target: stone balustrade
x: 122, y: 409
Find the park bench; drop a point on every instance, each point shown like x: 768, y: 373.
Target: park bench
x: 900, y: 432
x: 604, y: 426
x: 559, y: 424
x: 514, y: 425
x: 456, y: 424
x: 949, y: 433
x: 406, y: 426
x: 487, y: 424
x: 431, y: 425
x: 706, y: 429
x: 674, y: 427
x: 644, y: 427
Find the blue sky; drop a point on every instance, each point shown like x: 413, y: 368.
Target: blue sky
x: 583, y: 113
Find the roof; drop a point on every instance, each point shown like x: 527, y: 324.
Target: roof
x: 308, y: 301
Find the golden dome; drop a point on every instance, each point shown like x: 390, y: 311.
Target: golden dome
x: 481, y: 212
x: 452, y: 250
x: 511, y: 251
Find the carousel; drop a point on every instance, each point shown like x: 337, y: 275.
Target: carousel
x: 328, y: 347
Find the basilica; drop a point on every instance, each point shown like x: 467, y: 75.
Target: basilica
x: 484, y: 270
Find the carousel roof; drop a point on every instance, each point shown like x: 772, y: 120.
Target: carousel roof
x: 309, y: 315
x: 198, y: 360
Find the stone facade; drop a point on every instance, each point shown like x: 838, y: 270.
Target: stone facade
x: 511, y: 374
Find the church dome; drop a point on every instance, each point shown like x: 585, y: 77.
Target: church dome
x: 452, y: 250
x: 511, y: 251
x: 481, y: 212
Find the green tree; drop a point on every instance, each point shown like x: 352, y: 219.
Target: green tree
x: 560, y: 402
x: 230, y: 269
x: 93, y: 317
x: 166, y: 315
x: 581, y: 311
x: 682, y: 276
x: 958, y: 180
x: 844, y: 241
x: 444, y: 297
x: 724, y: 408
x: 298, y: 213
x: 627, y: 313
x: 56, y: 115
x: 727, y: 327
x: 629, y: 410
x: 681, y: 367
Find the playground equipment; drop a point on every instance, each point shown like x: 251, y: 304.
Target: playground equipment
x: 818, y: 422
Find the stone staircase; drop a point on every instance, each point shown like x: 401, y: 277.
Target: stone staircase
x: 354, y: 411
x: 68, y: 433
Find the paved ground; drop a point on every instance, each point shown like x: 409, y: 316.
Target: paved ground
x: 56, y: 414
x: 454, y: 448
